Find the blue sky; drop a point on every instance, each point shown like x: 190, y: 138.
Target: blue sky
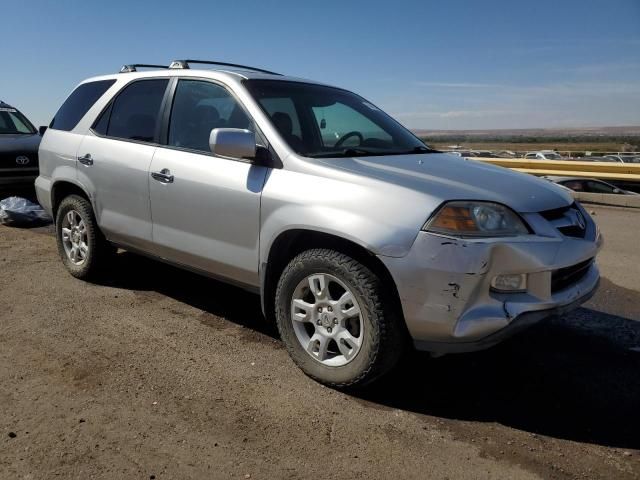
x: 432, y: 64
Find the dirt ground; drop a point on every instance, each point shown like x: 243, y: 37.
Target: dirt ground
x: 157, y: 373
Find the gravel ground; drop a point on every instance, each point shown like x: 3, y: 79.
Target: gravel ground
x: 159, y: 373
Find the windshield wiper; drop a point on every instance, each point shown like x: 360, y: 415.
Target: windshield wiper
x: 421, y: 149
x: 348, y: 152
x: 361, y: 152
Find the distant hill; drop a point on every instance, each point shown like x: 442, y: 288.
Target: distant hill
x: 527, y: 134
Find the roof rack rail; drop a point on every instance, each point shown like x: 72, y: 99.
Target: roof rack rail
x: 185, y: 65
x: 134, y: 67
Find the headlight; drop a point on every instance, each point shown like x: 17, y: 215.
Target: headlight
x: 476, y: 219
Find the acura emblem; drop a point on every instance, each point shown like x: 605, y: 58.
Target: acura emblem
x: 22, y: 160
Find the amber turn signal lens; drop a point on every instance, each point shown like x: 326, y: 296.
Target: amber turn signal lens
x: 455, y: 219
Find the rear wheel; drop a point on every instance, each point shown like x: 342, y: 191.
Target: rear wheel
x: 336, y: 320
x: 82, y: 247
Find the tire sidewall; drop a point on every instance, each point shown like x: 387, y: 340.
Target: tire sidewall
x: 356, y: 369
x: 83, y: 208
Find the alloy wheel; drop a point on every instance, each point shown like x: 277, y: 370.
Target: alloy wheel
x: 74, y: 237
x: 327, y: 319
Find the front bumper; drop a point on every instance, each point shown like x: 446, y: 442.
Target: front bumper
x: 447, y: 300
x: 18, y: 176
x: 521, y: 322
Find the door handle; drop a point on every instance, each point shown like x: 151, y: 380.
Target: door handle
x: 163, y: 176
x: 86, y: 160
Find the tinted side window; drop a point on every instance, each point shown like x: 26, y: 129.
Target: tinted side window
x: 575, y: 185
x: 78, y: 103
x: 198, y: 108
x: 135, y: 112
x: 102, y: 123
x: 275, y: 106
x: 598, y: 187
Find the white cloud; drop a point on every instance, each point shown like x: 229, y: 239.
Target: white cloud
x: 559, y: 88
x: 462, y: 85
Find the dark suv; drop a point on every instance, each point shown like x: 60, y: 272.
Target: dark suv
x: 19, y: 142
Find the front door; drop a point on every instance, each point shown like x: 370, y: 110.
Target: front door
x: 205, y: 208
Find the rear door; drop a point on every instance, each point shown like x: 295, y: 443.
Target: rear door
x: 206, y: 208
x: 114, y: 160
x: 59, y: 146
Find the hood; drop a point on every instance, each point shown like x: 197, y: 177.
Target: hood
x: 10, y: 143
x: 449, y: 177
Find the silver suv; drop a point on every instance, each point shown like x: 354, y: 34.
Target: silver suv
x: 359, y: 238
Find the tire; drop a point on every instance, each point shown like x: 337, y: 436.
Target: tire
x: 376, y: 337
x: 88, y: 262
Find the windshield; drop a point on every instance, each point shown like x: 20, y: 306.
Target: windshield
x: 318, y: 121
x: 13, y: 122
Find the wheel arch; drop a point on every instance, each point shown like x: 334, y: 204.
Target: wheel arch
x: 63, y: 188
x: 292, y: 242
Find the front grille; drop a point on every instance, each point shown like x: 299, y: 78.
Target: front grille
x: 8, y: 160
x: 556, y: 213
x: 572, y: 231
x: 569, y: 221
x: 567, y: 276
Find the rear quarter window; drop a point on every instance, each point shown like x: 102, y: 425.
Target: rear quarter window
x: 78, y: 104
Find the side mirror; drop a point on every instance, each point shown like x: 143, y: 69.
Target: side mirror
x: 233, y: 142
x: 42, y: 129
x: 617, y: 190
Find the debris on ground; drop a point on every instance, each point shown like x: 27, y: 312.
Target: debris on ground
x: 20, y: 212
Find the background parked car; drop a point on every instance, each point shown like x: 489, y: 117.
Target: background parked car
x: 19, y: 141
x: 486, y: 154
x: 465, y: 153
x: 588, y: 185
x: 624, y: 158
x: 543, y: 155
x: 506, y: 154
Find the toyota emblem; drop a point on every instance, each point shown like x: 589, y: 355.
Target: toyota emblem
x: 22, y: 160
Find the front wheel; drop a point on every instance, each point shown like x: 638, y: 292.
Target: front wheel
x: 336, y: 319
x: 82, y: 247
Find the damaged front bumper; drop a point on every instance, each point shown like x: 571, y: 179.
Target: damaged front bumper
x: 444, y: 284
